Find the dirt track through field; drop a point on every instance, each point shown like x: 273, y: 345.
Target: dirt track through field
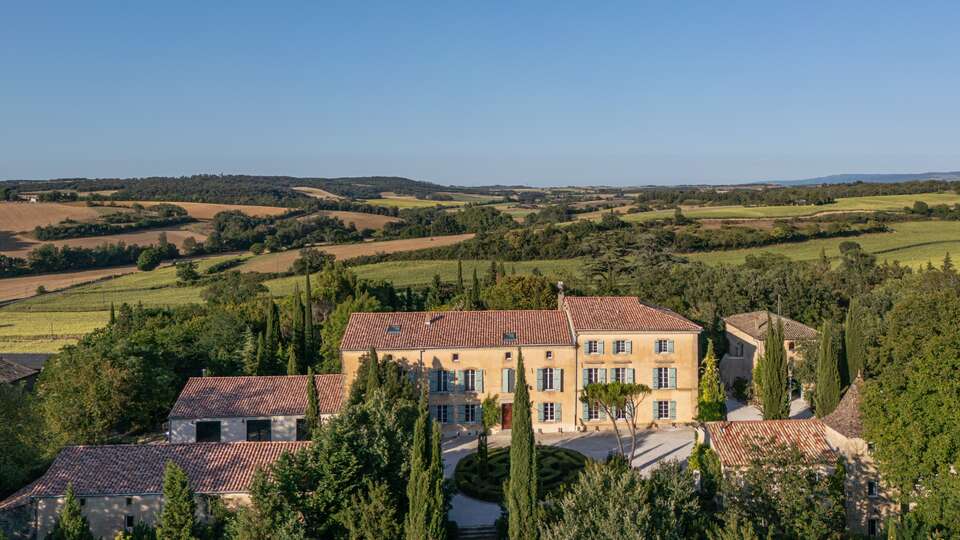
x: 280, y: 262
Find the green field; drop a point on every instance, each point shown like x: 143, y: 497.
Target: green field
x: 43, y: 332
x: 471, y: 197
x: 409, y: 202
x: 850, y: 204
x: 913, y: 243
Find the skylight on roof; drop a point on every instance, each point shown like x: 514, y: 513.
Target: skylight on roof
x: 509, y: 336
x: 393, y: 329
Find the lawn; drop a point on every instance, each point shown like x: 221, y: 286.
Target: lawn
x: 557, y: 466
x: 913, y: 243
x: 850, y: 204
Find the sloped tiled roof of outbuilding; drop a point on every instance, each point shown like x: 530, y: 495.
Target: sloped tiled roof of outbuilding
x: 737, y: 443
x: 623, y: 313
x: 845, y: 419
x: 455, y: 329
x: 755, y: 325
x: 11, y: 372
x: 137, y: 469
x: 234, y: 397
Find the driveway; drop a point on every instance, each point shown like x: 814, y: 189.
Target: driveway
x: 652, y: 447
x: 738, y: 410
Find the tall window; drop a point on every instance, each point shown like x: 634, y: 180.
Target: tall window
x: 440, y: 380
x: 663, y: 346
x: 873, y: 527
x: 443, y: 414
x: 619, y: 413
x: 302, y: 434
x: 470, y: 413
x: 663, y: 410
x: 872, y: 489
x: 470, y: 380
x: 593, y: 375
x: 620, y: 346
x: 549, y: 412
x: 619, y: 374
x: 548, y: 379
x: 258, y: 430
x: 208, y: 431
x: 593, y: 411
x: 662, y: 379
x: 593, y: 347
x: 738, y: 349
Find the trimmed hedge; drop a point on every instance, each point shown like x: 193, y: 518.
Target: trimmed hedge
x: 558, y: 466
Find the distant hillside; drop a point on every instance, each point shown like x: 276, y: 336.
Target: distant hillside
x: 870, y: 178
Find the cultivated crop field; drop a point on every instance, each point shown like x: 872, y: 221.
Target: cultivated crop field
x: 317, y: 193
x: 280, y: 262
x: 890, y: 203
x: 46, y: 331
x: 913, y: 243
x: 21, y: 245
x: 24, y: 216
x: 23, y: 287
x: 403, y: 201
x: 360, y: 220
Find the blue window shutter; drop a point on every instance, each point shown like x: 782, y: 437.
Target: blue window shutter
x: 461, y: 414
x: 601, y: 414
x: 670, y: 346
x: 539, y: 379
x: 540, y: 412
x: 556, y: 412
x: 433, y: 380
x: 631, y: 375
x: 586, y: 411
x: 656, y: 409
x: 613, y: 375
x: 629, y: 347
x: 460, y: 380
x: 513, y: 380
x: 602, y: 375
x: 586, y: 377
x: 600, y: 346
x: 448, y: 377
x: 673, y: 377
x: 655, y: 384
x: 558, y: 382
x: 656, y: 346
x: 673, y: 410
x: 504, y: 379
x: 480, y: 380
x: 586, y: 347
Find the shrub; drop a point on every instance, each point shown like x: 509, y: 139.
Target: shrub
x: 149, y: 259
x: 742, y: 389
x: 557, y: 467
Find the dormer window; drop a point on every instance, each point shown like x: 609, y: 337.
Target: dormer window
x: 509, y: 336
x: 393, y: 329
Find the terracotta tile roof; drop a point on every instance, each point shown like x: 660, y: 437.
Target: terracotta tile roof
x: 455, y: 329
x: 138, y: 468
x: 623, y: 313
x: 845, y: 419
x: 755, y: 325
x: 737, y: 442
x: 232, y: 397
x: 19, y: 498
x: 11, y: 372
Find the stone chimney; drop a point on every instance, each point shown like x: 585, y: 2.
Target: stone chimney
x: 559, y: 295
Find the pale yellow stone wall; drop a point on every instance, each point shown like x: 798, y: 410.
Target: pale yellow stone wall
x: 643, y: 359
x: 861, y: 469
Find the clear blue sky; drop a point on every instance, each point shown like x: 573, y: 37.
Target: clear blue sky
x: 480, y: 92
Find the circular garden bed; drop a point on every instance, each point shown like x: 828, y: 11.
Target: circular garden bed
x: 558, y: 466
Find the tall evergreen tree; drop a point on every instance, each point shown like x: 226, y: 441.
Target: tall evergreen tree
x: 460, y: 288
x: 309, y: 339
x: 855, y: 340
x: 272, y: 333
x: 772, y: 376
x: 712, y: 403
x: 373, y: 371
x: 178, y: 518
x: 297, y: 326
x: 71, y: 523
x: 437, y: 529
x: 522, y: 485
x: 417, y: 522
x: 293, y: 363
x: 491, y: 278
x: 257, y: 368
x: 249, y: 352
x: 113, y: 314
x: 474, y: 299
x: 827, y: 394
x: 312, y: 416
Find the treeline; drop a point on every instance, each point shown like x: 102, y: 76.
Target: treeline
x: 50, y: 258
x: 66, y: 230
x: 780, y: 196
x: 419, y: 222
x: 939, y: 211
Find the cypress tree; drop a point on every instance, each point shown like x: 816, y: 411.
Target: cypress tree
x: 827, y: 394
x: 309, y: 340
x: 492, y: 273
x: 293, y: 364
x: 113, y: 314
x: 475, y: 292
x: 438, y: 506
x: 249, y: 352
x: 312, y: 416
x: 178, y: 517
x: 271, y: 335
x: 712, y: 400
x: 460, y: 276
x: 71, y: 523
x: 772, y: 374
x: 502, y: 272
x: 855, y: 340
x: 373, y: 371
x: 297, y: 330
x: 521, y: 486
x: 417, y: 522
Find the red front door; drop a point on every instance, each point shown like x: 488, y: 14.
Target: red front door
x: 506, y: 415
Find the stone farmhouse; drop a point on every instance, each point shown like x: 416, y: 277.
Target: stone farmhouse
x: 231, y: 409
x: 469, y: 355
x: 746, y: 333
